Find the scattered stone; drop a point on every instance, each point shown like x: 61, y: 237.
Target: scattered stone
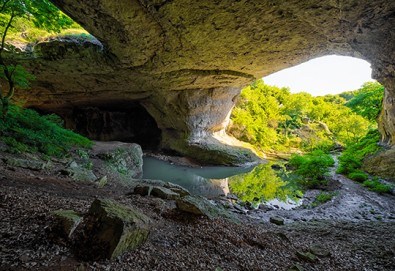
x: 28, y: 164
x: 67, y: 220
x: 296, y: 267
x: 319, y: 251
x: 232, y: 196
x: 201, y: 206
x: 307, y: 256
x: 155, y: 191
x: 109, y: 230
x: 102, y: 182
x: 79, y: 173
x: 145, y: 187
x: 277, y: 220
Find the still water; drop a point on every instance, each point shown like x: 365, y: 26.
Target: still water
x: 260, y: 184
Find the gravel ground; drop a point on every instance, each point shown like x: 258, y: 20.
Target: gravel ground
x: 178, y: 241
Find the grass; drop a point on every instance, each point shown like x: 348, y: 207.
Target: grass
x: 322, y: 198
x: 24, y: 130
x: 377, y: 186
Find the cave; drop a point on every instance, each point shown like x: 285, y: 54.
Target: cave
x: 126, y: 122
x: 186, y: 61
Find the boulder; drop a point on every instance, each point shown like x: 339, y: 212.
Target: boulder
x: 27, y: 163
x: 123, y: 158
x: 156, y: 191
x: 201, y: 206
x: 145, y: 187
x: 110, y: 229
x: 277, y: 220
x: 79, y: 172
x: 67, y: 221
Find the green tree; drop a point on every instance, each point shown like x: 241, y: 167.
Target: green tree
x: 367, y: 100
x: 44, y: 15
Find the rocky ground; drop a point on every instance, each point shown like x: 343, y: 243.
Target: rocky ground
x: 179, y: 241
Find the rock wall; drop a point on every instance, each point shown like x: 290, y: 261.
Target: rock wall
x: 186, y: 60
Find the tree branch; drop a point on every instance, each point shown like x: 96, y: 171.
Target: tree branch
x: 4, y: 5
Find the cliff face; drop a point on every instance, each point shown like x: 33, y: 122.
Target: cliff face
x: 185, y: 61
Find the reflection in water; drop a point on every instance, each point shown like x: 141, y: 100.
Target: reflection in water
x: 204, y: 181
x: 263, y: 184
x: 255, y: 185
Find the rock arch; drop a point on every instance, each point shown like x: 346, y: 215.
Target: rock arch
x: 187, y: 60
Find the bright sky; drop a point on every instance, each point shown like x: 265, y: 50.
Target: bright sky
x: 324, y: 75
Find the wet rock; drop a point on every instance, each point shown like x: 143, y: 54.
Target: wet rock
x: 109, y: 230
x: 25, y: 163
x: 277, y: 220
x: 201, y: 206
x: 306, y: 256
x: 67, y: 221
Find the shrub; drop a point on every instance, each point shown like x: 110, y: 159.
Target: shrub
x: 312, y: 168
x: 351, y: 159
x: 358, y: 176
x: 323, y: 197
x: 377, y: 186
x: 24, y: 130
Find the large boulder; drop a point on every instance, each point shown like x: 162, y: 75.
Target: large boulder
x: 381, y: 164
x: 110, y: 229
x: 121, y: 158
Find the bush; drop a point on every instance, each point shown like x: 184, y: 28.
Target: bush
x: 24, y: 130
x: 358, y: 176
x: 312, y: 168
x: 376, y: 186
x: 323, y: 197
x: 351, y: 159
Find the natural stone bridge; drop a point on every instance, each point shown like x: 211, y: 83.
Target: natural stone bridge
x: 185, y: 61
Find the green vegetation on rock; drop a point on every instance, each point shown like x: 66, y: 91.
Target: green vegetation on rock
x: 24, y: 130
x: 312, y: 168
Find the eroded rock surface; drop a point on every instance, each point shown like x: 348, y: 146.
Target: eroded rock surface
x: 185, y: 61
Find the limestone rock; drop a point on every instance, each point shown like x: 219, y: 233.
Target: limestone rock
x: 156, y: 191
x: 68, y: 220
x: 191, y: 59
x: 148, y: 184
x: 201, y: 206
x: 381, y: 164
x: 25, y: 163
x: 109, y: 230
x: 306, y: 256
x: 79, y: 172
x: 124, y: 158
x: 277, y: 220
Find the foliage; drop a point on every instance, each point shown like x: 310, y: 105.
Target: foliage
x: 358, y: 176
x: 25, y: 130
x: 322, y: 198
x: 44, y: 15
x: 272, y: 118
x: 312, y: 168
x: 367, y: 100
x: 351, y: 159
x: 261, y: 184
x: 377, y: 186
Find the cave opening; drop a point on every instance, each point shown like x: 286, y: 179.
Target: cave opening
x: 126, y: 122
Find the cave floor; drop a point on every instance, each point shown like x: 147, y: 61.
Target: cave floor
x: 178, y: 241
